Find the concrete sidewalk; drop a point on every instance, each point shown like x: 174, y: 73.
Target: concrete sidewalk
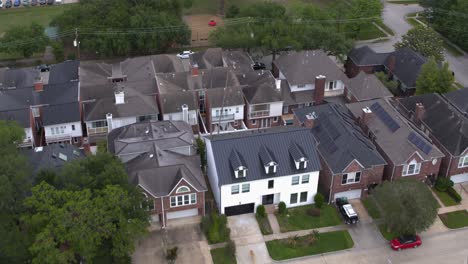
x: 274, y: 223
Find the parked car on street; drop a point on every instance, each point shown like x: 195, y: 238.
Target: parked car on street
x: 50, y: 2
x: 185, y: 54
x: 404, y: 242
x: 1, y: 4
x: 33, y: 2
x: 25, y: 2
x: 8, y: 4
x: 258, y: 66
x: 347, y: 211
x: 17, y: 3
x: 42, y: 2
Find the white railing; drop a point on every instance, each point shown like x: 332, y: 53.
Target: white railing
x: 260, y: 113
x: 55, y: 139
x: 222, y: 118
x: 97, y: 130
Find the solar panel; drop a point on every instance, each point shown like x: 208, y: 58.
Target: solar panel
x: 331, y: 129
x: 385, y: 117
x: 419, y: 142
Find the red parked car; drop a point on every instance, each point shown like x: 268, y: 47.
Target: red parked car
x: 212, y: 23
x: 404, y: 242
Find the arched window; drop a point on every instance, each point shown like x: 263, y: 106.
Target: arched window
x: 182, y: 189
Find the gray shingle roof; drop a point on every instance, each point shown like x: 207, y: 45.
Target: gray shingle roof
x: 259, y: 87
x: 408, y: 64
x: 365, y: 56
x: 301, y: 68
x: 447, y: 124
x: 367, y: 86
x: 156, y: 155
x: 340, y: 140
x: 459, y: 99
x: 282, y: 142
x: 396, y: 145
x: 64, y: 72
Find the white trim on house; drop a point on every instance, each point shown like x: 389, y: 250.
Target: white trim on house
x: 359, y: 163
x: 178, y: 184
x: 416, y: 169
x: 463, y: 162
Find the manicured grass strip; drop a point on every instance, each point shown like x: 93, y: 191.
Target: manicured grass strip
x: 384, y: 26
x: 370, y: 31
x: 298, y: 218
x: 387, y: 235
x: 446, y: 199
x: 455, y: 219
x: 404, y: 2
x: 412, y: 21
x: 452, y: 50
x: 264, y: 225
x: 221, y: 256
x: 371, y: 207
x: 24, y: 16
x: 281, y: 249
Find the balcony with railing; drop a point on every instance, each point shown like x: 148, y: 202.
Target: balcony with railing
x: 58, y: 138
x: 261, y: 113
x: 222, y: 118
x: 96, y: 130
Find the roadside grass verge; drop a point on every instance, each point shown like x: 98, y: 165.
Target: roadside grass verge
x: 222, y: 256
x: 371, y: 207
x: 387, y: 235
x: 456, y: 219
x: 446, y: 199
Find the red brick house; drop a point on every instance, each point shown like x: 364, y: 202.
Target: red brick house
x: 161, y: 160
x: 351, y: 164
x: 444, y: 119
x: 407, y: 151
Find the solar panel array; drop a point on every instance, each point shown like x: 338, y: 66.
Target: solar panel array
x: 385, y: 117
x: 325, y: 139
x: 419, y: 142
x: 331, y: 129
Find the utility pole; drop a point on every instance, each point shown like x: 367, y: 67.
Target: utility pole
x: 76, y: 43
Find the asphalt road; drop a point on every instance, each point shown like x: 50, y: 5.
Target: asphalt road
x: 394, y: 17
x: 443, y: 248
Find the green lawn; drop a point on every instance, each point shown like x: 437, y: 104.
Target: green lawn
x: 221, y: 256
x: 264, y: 225
x: 446, y: 199
x: 370, y: 32
x: 298, y: 219
x: 457, y: 219
x: 371, y: 207
x: 281, y: 249
x: 404, y: 2
x: 452, y: 50
x: 412, y: 21
x: 382, y: 25
x: 387, y: 235
x: 24, y: 16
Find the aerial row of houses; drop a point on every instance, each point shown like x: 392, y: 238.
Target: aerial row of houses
x: 305, y: 127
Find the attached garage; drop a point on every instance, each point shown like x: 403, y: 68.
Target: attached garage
x: 239, y: 209
x: 353, y: 194
x: 183, y: 213
x: 460, y: 178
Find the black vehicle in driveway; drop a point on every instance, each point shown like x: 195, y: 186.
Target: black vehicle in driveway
x: 347, y: 211
x: 258, y: 66
x: 43, y: 68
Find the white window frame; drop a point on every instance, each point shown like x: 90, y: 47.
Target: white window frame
x: 233, y: 188
x: 305, y: 177
x: 351, y: 177
x: 463, y: 162
x: 295, y: 180
x: 180, y: 189
x: 183, y: 200
x: 290, y: 198
x: 300, y: 197
x: 416, y: 168
x: 245, y: 188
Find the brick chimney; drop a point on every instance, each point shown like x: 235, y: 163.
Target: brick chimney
x: 194, y: 69
x: 366, y: 116
x: 310, y: 120
x: 319, y: 89
x: 419, y: 112
x: 38, y: 85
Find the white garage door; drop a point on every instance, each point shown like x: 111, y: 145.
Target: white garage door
x: 354, y: 194
x: 183, y: 213
x: 459, y: 178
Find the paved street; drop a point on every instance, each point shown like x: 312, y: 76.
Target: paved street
x: 394, y: 17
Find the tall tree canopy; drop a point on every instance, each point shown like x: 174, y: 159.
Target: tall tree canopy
x: 24, y: 40
x: 434, y: 79
x: 425, y: 41
x: 14, y: 186
x: 272, y: 28
x: 407, y: 206
x: 122, y: 27
x: 449, y: 18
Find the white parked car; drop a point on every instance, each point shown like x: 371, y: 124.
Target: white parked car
x: 185, y: 54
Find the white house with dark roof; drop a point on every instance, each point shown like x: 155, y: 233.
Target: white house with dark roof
x: 266, y: 166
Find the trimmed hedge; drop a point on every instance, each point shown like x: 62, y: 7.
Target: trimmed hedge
x: 261, y: 211
x: 451, y: 191
x: 282, y: 210
x: 443, y: 183
x: 319, y: 199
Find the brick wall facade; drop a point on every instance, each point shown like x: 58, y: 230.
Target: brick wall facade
x: 427, y: 168
x: 161, y: 203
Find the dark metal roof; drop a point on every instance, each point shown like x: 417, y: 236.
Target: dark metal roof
x: 340, y: 139
x: 64, y: 72
x: 459, y: 99
x: 283, y: 143
x: 446, y: 123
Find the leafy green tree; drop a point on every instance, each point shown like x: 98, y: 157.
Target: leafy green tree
x: 122, y: 27
x: 434, y: 79
x: 360, y: 10
x: 14, y: 186
x: 71, y: 226
x: 233, y: 11
x: 407, y: 205
x: 24, y: 40
x: 425, y: 41
x: 392, y: 85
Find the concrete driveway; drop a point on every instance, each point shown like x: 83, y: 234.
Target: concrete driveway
x: 250, y: 246
x: 192, y: 246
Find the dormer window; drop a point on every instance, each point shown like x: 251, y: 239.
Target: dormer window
x: 299, y: 157
x: 301, y: 164
x: 241, y: 172
x: 267, y: 160
x: 271, y: 168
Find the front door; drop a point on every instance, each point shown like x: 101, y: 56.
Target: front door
x: 267, y: 199
x: 265, y: 123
